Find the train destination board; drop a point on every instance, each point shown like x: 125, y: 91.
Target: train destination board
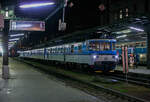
x: 27, y: 25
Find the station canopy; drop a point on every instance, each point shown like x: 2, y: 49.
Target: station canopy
x: 127, y: 30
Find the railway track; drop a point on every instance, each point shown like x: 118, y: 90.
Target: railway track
x: 130, y: 79
x: 113, y: 95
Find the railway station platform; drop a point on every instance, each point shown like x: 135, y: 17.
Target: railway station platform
x: 139, y: 69
x: 29, y: 85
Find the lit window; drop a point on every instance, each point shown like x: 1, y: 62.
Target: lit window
x: 120, y: 14
x: 127, y: 12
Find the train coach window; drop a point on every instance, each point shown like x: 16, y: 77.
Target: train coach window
x: 62, y: 50
x: 80, y: 48
x: 72, y: 48
x: 113, y: 46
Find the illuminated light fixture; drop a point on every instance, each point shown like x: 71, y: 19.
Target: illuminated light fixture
x: 36, y: 5
x: 6, y: 14
x: 15, y: 35
x: 24, y: 25
x: 94, y: 56
x: 124, y: 31
x: 14, y: 39
x: 137, y: 29
x: 1, y: 50
x: 122, y: 36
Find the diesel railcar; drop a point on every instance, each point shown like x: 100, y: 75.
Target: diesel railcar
x: 97, y: 54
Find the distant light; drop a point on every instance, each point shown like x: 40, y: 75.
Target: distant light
x: 122, y: 36
x: 36, y: 5
x: 16, y: 35
x: 137, y: 29
x: 6, y: 14
x: 1, y: 50
x: 14, y: 39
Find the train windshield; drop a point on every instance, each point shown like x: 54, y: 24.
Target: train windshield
x: 101, y: 46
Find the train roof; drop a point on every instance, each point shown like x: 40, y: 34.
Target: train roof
x: 106, y: 40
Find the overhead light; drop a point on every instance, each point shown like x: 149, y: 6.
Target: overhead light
x: 122, y: 36
x: 14, y: 39
x: 16, y: 35
x: 36, y: 5
x: 124, y: 31
x: 137, y: 29
x: 1, y: 50
x: 24, y: 25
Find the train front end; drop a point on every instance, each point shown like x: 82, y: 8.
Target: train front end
x: 103, y: 55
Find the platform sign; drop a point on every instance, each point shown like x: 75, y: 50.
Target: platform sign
x: 1, y: 21
x: 27, y: 25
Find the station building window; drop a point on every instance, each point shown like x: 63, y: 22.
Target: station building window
x: 127, y: 12
x: 121, y: 14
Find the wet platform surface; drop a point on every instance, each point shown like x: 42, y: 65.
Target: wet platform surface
x: 139, y: 69
x: 28, y: 85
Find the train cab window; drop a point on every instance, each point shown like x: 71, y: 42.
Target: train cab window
x: 102, y: 46
x: 106, y: 46
x: 80, y: 48
x: 72, y: 48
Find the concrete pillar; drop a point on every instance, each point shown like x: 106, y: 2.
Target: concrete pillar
x: 5, y: 67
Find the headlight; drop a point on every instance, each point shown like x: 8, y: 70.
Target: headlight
x: 94, y: 56
x: 116, y: 57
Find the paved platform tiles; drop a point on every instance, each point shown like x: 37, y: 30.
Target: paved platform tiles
x: 140, y: 69
x: 28, y: 85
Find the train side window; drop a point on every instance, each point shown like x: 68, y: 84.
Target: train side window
x: 80, y: 48
x: 61, y: 50
x: 106, y: 46
x: 113, y: 46
x: 72, y: 48
x: 53, y: 50
x: 90, y: 46
x: 64, y: 49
